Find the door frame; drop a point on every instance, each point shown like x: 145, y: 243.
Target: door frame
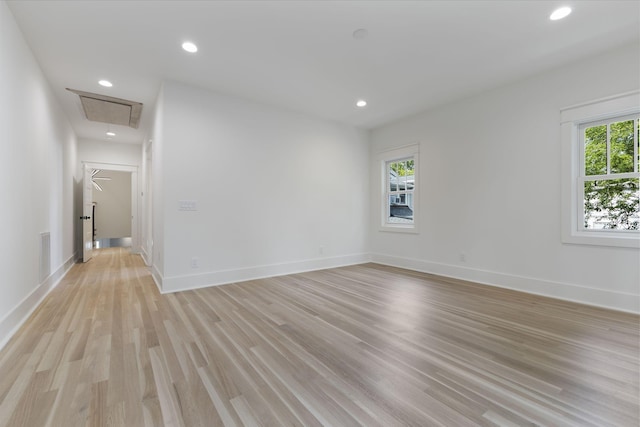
x: 135, y: 199
x: 86, y: 227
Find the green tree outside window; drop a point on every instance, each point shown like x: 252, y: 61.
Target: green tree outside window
x: 609, y: 201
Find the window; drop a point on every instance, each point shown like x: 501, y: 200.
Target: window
x: 399, y: 197
x: 609, y: 180
x: 601, y: 172
x: 401, y: 183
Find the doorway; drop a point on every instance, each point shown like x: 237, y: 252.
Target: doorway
x: 115, y: 205
x: 112, y: 209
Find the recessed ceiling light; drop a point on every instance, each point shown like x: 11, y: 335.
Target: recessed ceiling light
x: 111, y: 134
x: 361, y: 103
x: 105, y: 83
x: 190, y: 47
x: 560, y: 13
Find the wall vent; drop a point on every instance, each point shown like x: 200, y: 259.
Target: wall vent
x: 106, y: 109
x: 45, y: 256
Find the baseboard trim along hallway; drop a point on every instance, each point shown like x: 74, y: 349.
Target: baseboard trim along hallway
x: 16, y: 317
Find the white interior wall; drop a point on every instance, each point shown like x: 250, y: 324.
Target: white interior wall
x: 112, y: 152
x: 490, y: 189
x: 276, y: 191
x: 38, y: 179
x: 113, y: 205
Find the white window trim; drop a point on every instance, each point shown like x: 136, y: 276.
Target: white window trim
x: 570, y: 120
x: 383, y: 158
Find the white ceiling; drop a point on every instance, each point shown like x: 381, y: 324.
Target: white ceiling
x: 301, y: 55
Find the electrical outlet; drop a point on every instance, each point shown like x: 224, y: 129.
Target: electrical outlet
x: 321, y: 250
x: 195, y: 262
x: 462, y: 257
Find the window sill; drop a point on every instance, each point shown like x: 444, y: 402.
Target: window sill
x: 397, y: 228
x: 600, y: 238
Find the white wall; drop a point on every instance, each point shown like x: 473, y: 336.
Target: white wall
x: 38, y: 179
x: 490, y: 189
x: 276, y: 191
x: 113, y: 205
x: 109, y: 152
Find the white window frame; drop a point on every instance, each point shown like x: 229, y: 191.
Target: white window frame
x: 572, y: 190
x: 384, y: 158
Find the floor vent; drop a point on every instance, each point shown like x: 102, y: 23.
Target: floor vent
x: 45, y: 256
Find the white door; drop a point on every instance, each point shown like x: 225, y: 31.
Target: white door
x: 87, y: 213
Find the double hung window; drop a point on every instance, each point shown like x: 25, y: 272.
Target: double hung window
x: 399, y: 168
x: 601, y: 172
x: 400, y: 190
x: 609, y: 180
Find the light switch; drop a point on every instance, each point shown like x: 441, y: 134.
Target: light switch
x: 187, y: 205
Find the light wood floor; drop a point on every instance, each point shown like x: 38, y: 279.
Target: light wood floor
x: 363, y: 345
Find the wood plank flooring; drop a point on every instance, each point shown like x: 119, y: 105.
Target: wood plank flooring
x: 362, y: 345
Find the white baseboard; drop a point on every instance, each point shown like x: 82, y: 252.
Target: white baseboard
x: 10, y: 324
x: 157, y: 277
x: 145, y: 257
x: 619, y: 301
x: 215, y: 278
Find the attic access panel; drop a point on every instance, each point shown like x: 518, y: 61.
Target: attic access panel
x: 107, y: 109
